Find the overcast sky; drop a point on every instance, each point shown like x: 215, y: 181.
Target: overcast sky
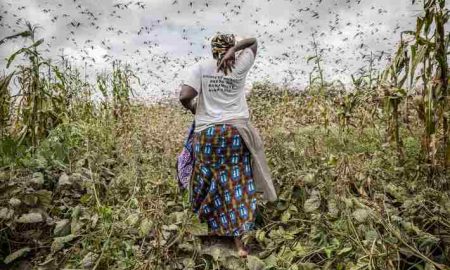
x: 162, y: 38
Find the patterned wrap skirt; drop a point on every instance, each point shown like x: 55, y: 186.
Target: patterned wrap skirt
x: 223, y: 189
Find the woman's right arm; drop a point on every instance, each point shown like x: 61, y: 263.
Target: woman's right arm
x: 229, y: 58
x: 251, y: 43
x: 187, y: 95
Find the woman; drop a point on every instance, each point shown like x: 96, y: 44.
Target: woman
x: 230, y: 166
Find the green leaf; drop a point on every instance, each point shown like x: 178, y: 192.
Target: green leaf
x: 310, y: 58
x: 285, y: 216
x: 145, y: 227
x: 13, y: 56
x: 313, y: 203
x: 344, y: 251
x: 22, y: 50
x: 17, y: 254
x: 254, y: 263
x: 260, y: 236
x: 328, y: 251
x: 21, y: 34
x: 59, y: 242
x: 30, y: 218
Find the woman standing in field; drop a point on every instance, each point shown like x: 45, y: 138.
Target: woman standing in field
x: 230, y: 165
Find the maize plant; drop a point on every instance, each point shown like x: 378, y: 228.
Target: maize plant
x: 116, y: 88
x: 121, y: 88
x: 368, y: 77
x: 74, y: 95
x: 317, y: 72
x: 5, y: 101
x: 394, y: 93
x: 32, y: 96
x: 47, y: 93
x: 430, y: 48
x: 347, y: 105
x: 422, y: 60
x: 393, y: 98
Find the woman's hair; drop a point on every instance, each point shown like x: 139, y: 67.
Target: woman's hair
x: 220, y: 44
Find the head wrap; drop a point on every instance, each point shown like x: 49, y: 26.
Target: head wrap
x: 220, y: 44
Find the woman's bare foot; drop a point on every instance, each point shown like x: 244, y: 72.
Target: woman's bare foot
x: 242, y: 251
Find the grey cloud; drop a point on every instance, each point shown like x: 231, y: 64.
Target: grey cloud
x: 165, y: 48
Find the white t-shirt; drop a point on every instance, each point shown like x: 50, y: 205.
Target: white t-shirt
x: 220, y: 97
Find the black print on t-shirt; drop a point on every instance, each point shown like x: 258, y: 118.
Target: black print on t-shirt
x: 221, y: 84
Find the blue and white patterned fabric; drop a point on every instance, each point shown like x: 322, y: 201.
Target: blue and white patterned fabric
x: 185, y: 160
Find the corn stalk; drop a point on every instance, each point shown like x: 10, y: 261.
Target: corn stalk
x: 47, y: 93
x: 121, y: 89
x: 367, y: 77
x: 430, y: 48
x: 393, y: 82
x: 5, y: 104
x: 32, y: 95
x: 317, y: 72
x: 427, y: 48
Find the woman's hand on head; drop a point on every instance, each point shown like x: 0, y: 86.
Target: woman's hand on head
x: 228, y: 61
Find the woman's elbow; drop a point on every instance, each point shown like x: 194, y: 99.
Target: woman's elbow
x: 187, y: 93
x: 184, y: 99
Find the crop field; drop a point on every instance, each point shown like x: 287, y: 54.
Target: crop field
x: 87, y: 171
